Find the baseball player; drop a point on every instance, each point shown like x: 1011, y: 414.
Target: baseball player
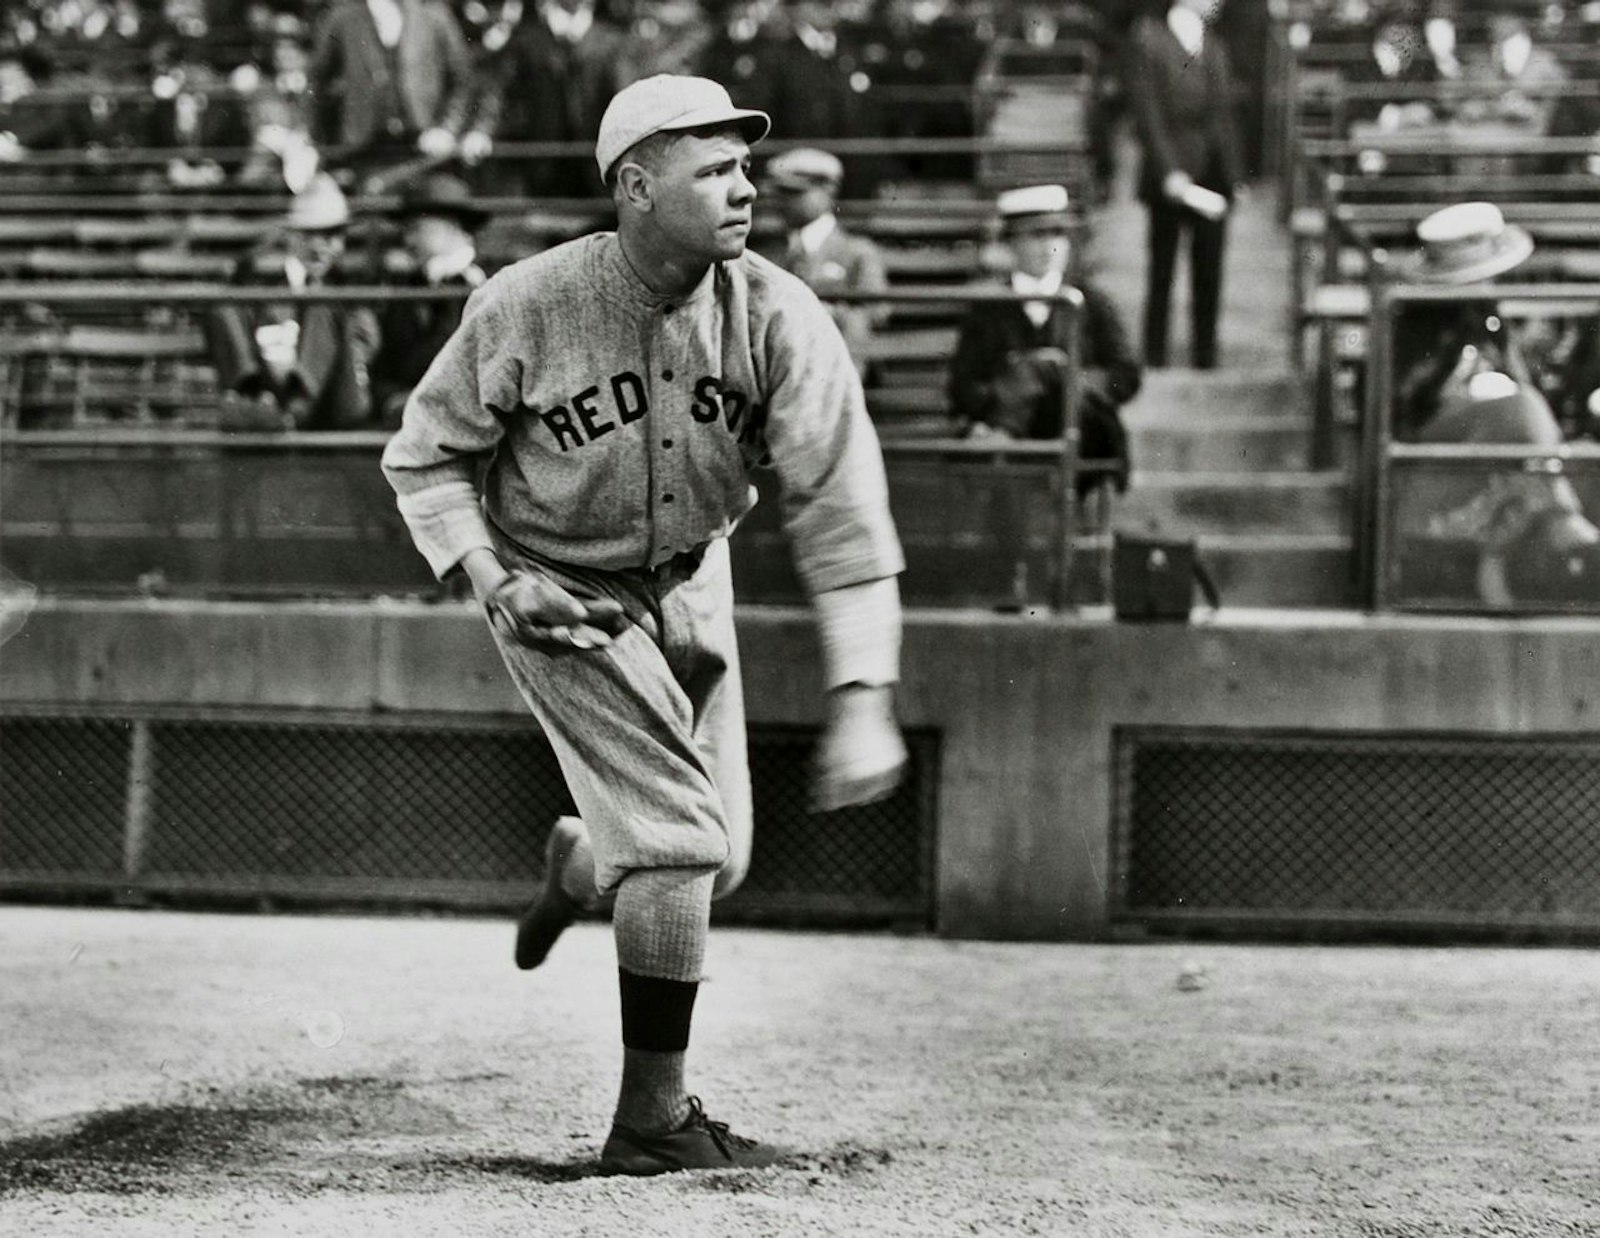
x: 581, y: 449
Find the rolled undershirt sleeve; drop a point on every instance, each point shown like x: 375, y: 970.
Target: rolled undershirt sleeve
x: 859, y: 627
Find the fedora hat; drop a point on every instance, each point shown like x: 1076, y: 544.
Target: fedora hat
x: 1466, y: 243
x: 442, y: 194
x: 319, y: 207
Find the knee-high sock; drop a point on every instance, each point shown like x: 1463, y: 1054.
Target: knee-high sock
x: 660, y: 923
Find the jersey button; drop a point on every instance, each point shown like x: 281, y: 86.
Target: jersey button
x: 666, y: 376
x: 666, y: 442
x: 666, y: 498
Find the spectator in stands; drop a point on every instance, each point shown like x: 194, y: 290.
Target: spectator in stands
x: 798, y: 79
x: 1181, y: 91
x: 392, y: 79
x: 28, y: 122
x: 805, y: 183
x: 549, y: 82
x: 1438, y: 348
x: 1005, y: 378
x: 441, y: 221
x: 666, y: 36
x: 280, y: 109
x: 1399, y: 60
x: 1518, y: 78
x: 1530, y: 540
x: 920, y: 44
x: 293, y: 366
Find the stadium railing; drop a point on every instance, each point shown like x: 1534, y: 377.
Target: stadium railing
x: 1437, y: 519
x: 116, y: 508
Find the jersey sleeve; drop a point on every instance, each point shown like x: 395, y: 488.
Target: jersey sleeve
x: 834, y: 494
x: 452, y: 422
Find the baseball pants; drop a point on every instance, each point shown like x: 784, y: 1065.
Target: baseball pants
x: 650, y: 730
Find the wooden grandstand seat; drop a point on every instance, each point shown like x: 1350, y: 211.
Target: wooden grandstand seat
x: 81, y: 375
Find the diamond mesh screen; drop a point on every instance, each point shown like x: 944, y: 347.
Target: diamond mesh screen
x: 63, y: 793
x: 352, y: 801
x: 299, y: 808
x: 1377, y: 825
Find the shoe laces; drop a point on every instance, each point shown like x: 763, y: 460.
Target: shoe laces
x: 727, y: 1142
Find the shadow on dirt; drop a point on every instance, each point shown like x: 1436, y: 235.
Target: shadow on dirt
x: 352, y: 1134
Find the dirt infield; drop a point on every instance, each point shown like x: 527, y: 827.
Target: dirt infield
x: 165, y: 1073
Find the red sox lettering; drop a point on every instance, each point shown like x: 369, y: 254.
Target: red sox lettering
x: 586, y: 417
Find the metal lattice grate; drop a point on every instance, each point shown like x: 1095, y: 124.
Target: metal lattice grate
x: 63, y: 788
x: 1378, y: 824
x: 414, y: 809
x: 878, y: 853
x: 352, y: 801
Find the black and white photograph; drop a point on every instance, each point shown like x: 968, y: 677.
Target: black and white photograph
x: 781, y: 618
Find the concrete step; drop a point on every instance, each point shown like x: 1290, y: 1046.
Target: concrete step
x: 1185, y: 395
x: 1231, y: 443
x: 1235, y: 503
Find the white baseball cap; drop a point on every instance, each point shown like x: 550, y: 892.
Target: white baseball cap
x: 666, y: 103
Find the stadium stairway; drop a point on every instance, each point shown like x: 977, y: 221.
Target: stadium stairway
x: 1224, y: 455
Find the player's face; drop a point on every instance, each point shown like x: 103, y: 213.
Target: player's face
x: 702, y: 195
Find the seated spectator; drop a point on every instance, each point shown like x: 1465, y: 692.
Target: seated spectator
x: 1005, y: 378
x: 1439, y: 347
x: 280, y: 109
x: 1399, y: 59
x: 1518, y: 77
x: 549, y: 81
x: 666, y: 36
x: 440, y: 222
x: 291, y: 366
x: 28, y: 122
x: 1532, y: 543
x: 392, y: 79
x: 805, y: 183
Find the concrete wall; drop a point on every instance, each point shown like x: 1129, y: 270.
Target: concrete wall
x: 1026, y: 706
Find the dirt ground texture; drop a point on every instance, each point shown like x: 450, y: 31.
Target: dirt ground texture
x: 175, y: 1073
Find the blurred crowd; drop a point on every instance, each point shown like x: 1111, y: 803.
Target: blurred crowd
x: 380, y: 81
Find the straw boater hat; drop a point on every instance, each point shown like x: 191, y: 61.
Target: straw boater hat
x: 1466, y: 243
x: 1034, y: 208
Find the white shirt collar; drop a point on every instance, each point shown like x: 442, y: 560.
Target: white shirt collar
x: 816, y: 232
x: 295, y: 272
x: 388, y: 18
x: 1046, y: 285
x: 1188, y: 27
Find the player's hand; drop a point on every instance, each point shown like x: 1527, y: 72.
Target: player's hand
x: 861, y: 756
x: 533, y: 610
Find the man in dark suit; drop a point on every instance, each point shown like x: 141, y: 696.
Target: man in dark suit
x: 297, y: 366
x: 1005, y: 380
x: 1180, y: 87
x: 805, y: 183
x: 394, y: 78
x: 549, y: 81
x: 440, y: 221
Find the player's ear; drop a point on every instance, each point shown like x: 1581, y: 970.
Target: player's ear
x: 633, y: 183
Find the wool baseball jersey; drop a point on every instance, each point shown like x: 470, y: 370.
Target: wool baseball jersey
x: 615, y: 427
